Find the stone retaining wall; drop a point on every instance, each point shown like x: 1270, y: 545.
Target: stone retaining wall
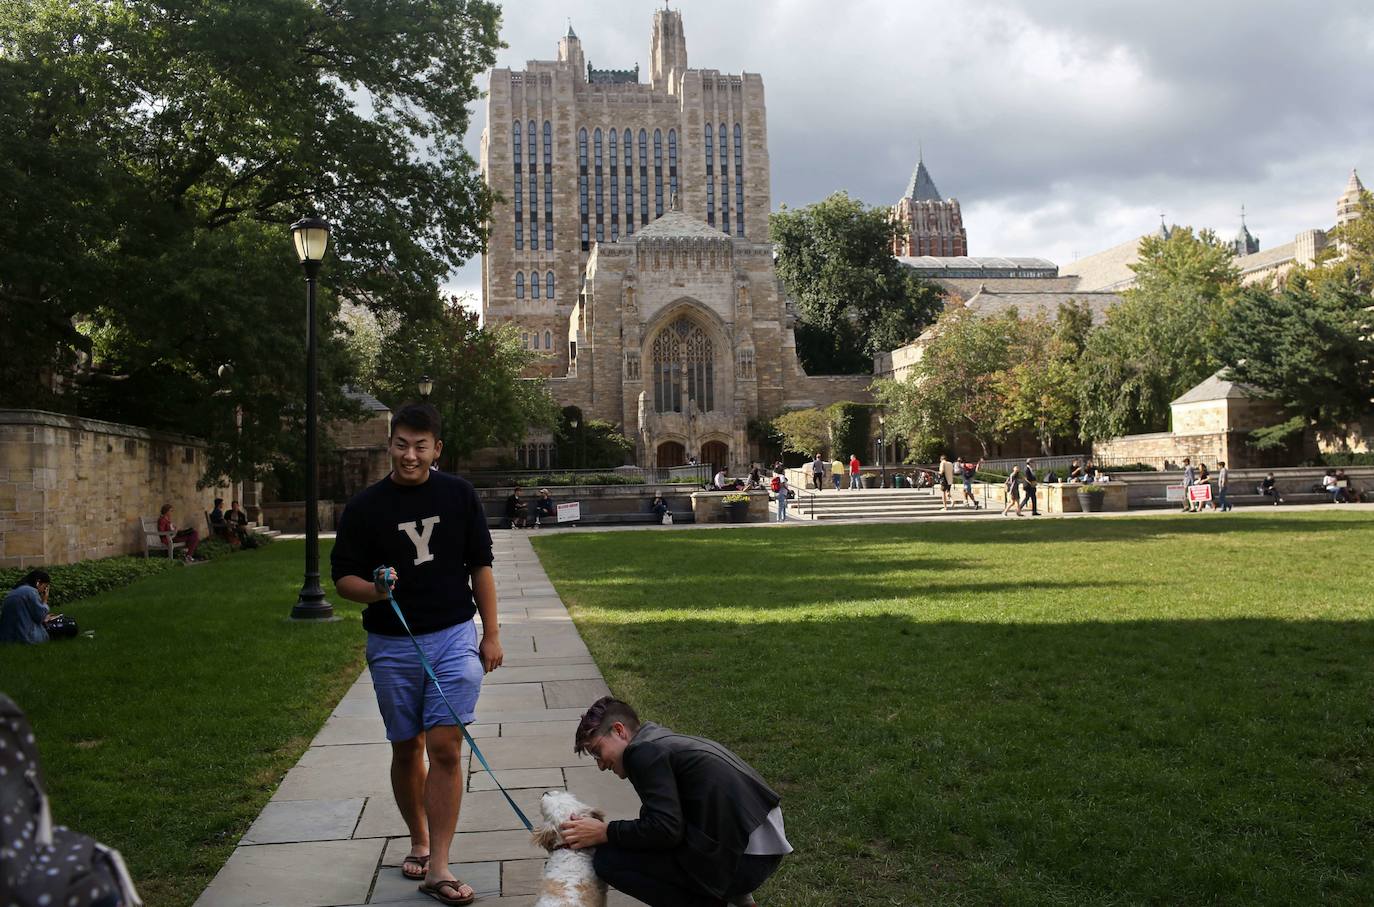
x: 72, y: 489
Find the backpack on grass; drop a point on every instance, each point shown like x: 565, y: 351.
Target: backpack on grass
x: 41, y: 863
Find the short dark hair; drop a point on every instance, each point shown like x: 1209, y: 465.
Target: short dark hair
x: 419, y: 417
x: 34, y: 577
x: 597, y: 721
x: 219, y: 501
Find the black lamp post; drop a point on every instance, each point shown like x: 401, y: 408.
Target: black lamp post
x: 426, y: 387
x: 882, y: 448
x: 311, y: 235
x: 577, y: 459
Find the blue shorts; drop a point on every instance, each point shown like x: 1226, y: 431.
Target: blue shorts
x: 407, y: 698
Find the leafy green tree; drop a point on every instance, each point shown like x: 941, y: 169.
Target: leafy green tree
x: 1310, y: 346
x: 804, y: 431
x: 1162, y: 339
x: 957, y: 389
x: 1349, y: 258
x: 1040, y: 383
x: 855, y: 300
x: 593, y: 444
x: 152, y: 156
x: 477, y: 385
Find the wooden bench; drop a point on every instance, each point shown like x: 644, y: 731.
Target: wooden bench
x: 153, y: 540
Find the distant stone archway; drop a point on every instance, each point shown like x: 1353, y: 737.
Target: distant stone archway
x: 671, y: 453
x: 716, y: 453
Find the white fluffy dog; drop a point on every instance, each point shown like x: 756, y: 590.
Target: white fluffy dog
x: 569, y: 880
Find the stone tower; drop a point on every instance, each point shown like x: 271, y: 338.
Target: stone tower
x: 668, y: 51
x: 583, y: 156
x: 1245, y: 243
x: 929, y: 223
x: 1348, y: 205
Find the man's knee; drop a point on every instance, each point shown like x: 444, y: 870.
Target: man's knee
x: 444, y: 744
x: 408, y: 750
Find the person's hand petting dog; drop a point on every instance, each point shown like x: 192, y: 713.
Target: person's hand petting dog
x: 580, y: 832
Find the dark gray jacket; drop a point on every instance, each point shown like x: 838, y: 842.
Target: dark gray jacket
x: 700, y: 801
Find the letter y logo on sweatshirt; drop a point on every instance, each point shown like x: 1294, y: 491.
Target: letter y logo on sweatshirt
x: 421, y: 538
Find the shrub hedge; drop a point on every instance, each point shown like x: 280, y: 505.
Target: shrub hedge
x: 82, y: 580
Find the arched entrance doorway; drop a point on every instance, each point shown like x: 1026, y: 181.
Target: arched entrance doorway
x: 716, y: 453
x: 671, y: 453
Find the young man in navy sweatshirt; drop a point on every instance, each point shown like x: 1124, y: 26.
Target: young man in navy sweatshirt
x: 428, y: 530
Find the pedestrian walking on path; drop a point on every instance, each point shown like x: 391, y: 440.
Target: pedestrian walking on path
x: 855, y: 471
x: 837, y: 471
x: 818, y: 472
x: 782, y: 499
x: 423, y: 533
x: 710, y: 830
x: 1223, y: 486
x: 1013, y: 491
x: 1029, y: 480
x: 946, y: 472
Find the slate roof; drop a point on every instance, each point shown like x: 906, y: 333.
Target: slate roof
x: 677, y: 224
x: 366, y: 400
x: 922, y: 187
x: 1106, y: 270
x: 1218, y: 388
x: 987, y: 303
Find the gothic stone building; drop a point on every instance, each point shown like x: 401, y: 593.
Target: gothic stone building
x: 632, y: 249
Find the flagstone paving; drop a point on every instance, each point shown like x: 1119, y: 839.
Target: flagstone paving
x: 332, y: 837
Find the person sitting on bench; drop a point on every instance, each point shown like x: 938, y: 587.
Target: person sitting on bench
x: 189, y: 536
x: 516, y: 509
x: 1269, y: 489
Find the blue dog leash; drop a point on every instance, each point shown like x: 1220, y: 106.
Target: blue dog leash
x: 438, y: 686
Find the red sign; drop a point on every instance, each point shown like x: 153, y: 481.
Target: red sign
x: 1200, y: 492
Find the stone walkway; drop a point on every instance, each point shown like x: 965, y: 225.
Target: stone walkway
x: 331, y: 836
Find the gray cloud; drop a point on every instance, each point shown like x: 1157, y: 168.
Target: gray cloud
x: 1062, y: 126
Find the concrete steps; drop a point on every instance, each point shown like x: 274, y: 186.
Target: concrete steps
x: 873, y: 503
x: 263, y: 530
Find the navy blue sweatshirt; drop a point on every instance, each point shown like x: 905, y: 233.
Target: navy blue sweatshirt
x: 435, y: 534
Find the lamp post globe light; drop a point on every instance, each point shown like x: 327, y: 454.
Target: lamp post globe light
x: 311, y: 235
x: 425, y: 387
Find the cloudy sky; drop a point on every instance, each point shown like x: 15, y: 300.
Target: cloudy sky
x: 1062, y: 126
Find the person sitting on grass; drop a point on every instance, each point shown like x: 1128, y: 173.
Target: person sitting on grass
x: 709, y: 831
x: 24, y: 611
x: 189, y: 536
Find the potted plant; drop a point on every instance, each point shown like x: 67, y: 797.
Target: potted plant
x: 1090, y: 498
x: 736, y: 507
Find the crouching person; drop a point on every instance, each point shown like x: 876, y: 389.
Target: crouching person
x: 709, y: 830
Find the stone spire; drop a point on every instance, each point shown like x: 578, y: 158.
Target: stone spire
x: 1245, y: 243
x: 668, y: 48
x: 570, y: 51
x: 1348, y: 205
x: 921, y: 187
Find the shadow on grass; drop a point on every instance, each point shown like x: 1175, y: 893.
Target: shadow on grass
x: 1200, y: 761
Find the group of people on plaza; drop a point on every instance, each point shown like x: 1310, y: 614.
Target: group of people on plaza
x: 836, y: 469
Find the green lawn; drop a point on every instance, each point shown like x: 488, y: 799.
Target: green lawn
x: 165, y: 733
x: 1113, y: 711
